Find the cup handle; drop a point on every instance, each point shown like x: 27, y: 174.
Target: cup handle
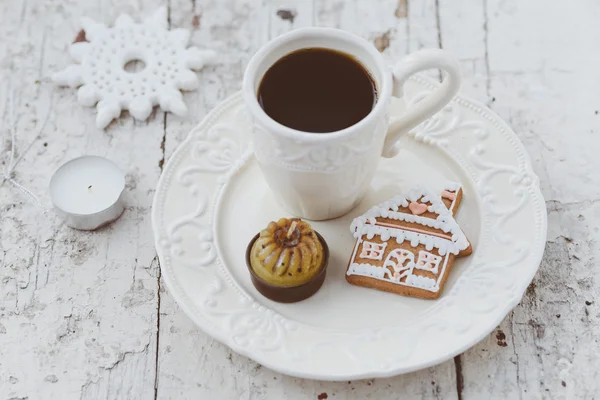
x: 420, y: 61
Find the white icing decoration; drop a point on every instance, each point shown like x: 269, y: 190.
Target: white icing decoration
x: 428, y: 262
x: 422, y: 282
x: 443, y: 245
x: 445, y: 222
x: 373, y: 251
x: 400, y: 238
x: 452, y: 186
x: 385, y: 236
x: 368, y: 270
x: 383, y: 274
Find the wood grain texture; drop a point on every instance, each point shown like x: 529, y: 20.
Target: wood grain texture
x: 78, y: 309
x: 535, y: 69
x: 85, y: 314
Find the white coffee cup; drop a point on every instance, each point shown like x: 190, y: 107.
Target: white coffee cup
x: 323, y: 176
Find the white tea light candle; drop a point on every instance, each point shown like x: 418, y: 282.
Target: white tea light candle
x: 87, y: 192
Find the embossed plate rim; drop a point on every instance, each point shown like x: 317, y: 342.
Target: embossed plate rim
x: 380, y: 369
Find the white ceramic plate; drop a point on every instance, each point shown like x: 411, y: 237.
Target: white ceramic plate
x: 212, y: 199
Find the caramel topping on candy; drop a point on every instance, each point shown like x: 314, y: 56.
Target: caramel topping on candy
x: 287, y: 253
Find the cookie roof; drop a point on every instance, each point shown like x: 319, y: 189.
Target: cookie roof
x: 444, y: 221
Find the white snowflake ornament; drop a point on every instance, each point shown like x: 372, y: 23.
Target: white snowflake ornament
x: 102, y: 79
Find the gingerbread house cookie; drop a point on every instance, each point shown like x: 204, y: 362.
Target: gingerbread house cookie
x: 407, y: 245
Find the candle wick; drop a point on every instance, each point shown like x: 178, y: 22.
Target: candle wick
x: 291, y: 230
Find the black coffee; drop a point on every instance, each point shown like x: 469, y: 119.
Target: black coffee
x: 317, y: 90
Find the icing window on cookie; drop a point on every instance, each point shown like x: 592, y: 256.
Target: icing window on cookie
x: 373, y: 251
x: 428, y: 262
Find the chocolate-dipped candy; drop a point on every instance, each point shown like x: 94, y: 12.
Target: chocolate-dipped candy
x: 287, y: 260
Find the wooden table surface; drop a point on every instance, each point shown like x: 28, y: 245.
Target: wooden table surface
x: 85, y: 315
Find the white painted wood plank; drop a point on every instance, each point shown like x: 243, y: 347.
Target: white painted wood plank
x: 395, y: 27
x: 78, y: 309
x: 192, y: 364
x: 283, y: 15
x: 423, y: 29
x: 463, y: 33
x: 539, y: 62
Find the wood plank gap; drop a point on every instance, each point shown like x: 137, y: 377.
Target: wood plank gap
x: 158, y: 278
x: 23, y: 12
x: 40, y: 76
x: 486, y: 54
x: 407, y: 5
x: 460, y: 380
x: 438, y: 25
x: 161, y: 164
x: 516, y: 355
x: 169, y: 14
